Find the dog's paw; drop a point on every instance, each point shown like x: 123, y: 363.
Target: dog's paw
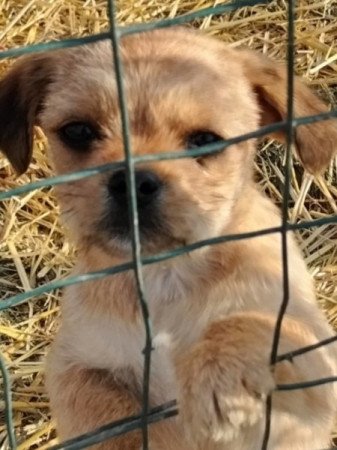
x: 223, y: 389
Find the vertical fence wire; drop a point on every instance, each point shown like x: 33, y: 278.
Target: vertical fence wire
x: 161, y: 412
x: 133, y: 216
x: 285, y: 206
x: 8, y: 404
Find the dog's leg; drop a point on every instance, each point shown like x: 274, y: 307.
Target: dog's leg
x: 226, y: 377
x: 84, y: 399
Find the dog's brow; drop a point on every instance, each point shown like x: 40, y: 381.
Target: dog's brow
x: 142, y: 119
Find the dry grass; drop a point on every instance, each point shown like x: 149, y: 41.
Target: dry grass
x: 33, y: 249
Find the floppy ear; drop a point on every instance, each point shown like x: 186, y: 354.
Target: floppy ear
x: 316, y: 143
x: 21, y: 95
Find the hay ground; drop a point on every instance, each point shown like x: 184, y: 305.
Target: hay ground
x: 33, y: 249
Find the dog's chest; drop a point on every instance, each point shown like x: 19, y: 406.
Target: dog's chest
x: 102, y: 341
x: 178, y: 320
x: 115, y: 345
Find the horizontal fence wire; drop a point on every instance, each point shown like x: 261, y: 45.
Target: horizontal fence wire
x: 309, y: 348
x: 132, y: 29
x: 91, y: 276
x: 119, y: 427
x: 148, y: 416
x: 201, y: 151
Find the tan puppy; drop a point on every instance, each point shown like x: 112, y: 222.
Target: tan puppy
x: 213, y: 310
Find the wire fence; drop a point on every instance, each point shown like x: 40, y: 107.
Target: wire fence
x: 148, y: 416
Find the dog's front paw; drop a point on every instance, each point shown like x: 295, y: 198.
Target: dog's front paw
x: 223, y: 388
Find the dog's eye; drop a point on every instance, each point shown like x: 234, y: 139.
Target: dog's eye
x: 201, y: 138
x: 78, y: 135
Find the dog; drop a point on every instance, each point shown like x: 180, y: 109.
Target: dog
x: 213, y: 310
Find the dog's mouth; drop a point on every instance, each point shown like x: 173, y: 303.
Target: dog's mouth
x: 117, y: 223
x: 153, y: 232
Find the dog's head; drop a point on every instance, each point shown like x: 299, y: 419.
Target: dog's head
x: 183, y: 90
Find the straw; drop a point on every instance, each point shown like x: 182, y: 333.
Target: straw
x: 33, y: 247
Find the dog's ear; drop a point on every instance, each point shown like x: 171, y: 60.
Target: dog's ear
x: 22, y: 92
x: 316, y: 143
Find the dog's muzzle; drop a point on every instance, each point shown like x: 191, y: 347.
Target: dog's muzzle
x: 149, y: 188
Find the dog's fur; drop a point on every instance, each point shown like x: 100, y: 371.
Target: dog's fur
x: 213, y: 310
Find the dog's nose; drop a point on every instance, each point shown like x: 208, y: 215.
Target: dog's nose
x: 148, y: 186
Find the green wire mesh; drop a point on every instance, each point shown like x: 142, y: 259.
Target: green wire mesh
x: 147, y: 415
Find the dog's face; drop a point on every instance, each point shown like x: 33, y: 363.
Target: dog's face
x: 183, y: 90
x: 175, y: 100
